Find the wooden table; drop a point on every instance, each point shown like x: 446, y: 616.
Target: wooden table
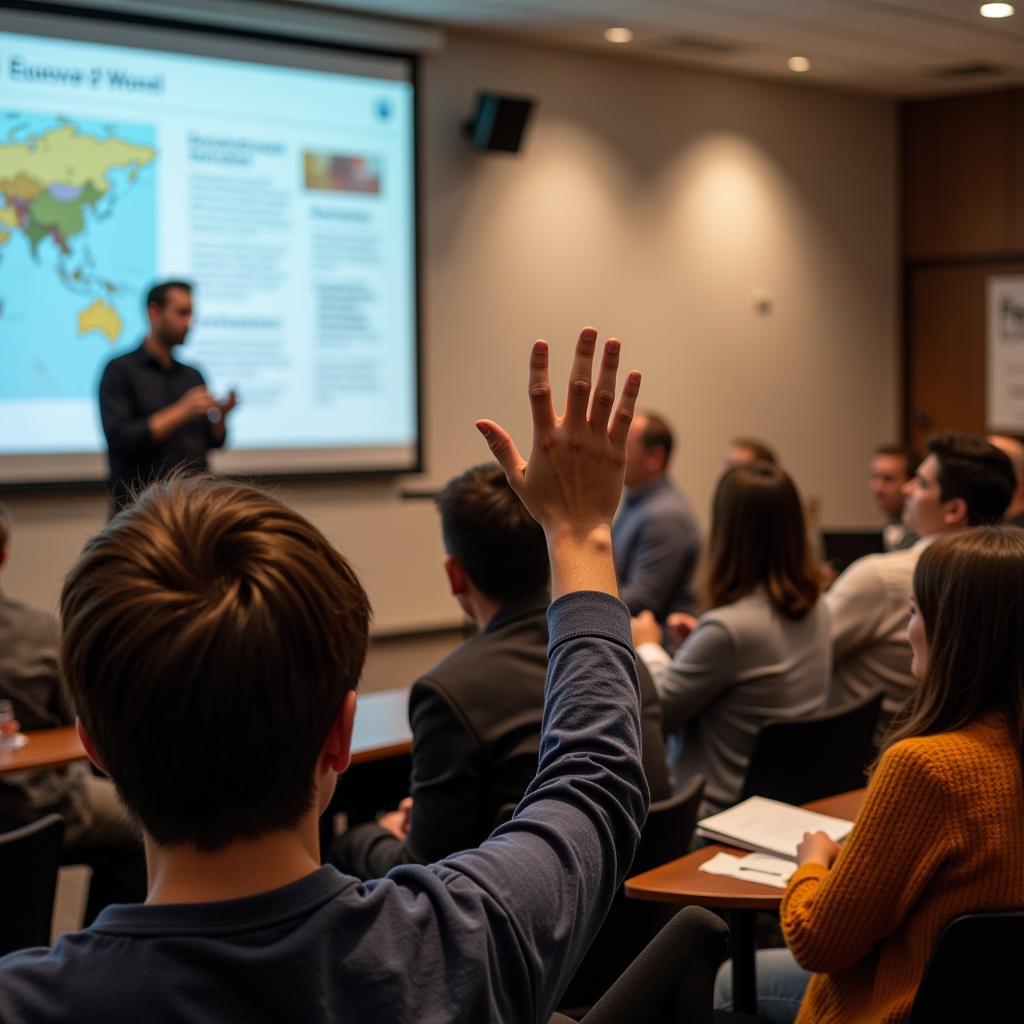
x: 381, y: 731
x: 681, y: 881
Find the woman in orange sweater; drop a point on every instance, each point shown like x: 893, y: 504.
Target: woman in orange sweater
x: 941, y: 831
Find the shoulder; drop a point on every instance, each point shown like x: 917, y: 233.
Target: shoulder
x: 120, y: 365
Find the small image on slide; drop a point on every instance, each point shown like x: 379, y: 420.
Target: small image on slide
x: 331, y: 172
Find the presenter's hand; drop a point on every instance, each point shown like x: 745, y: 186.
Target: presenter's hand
x: 195, y: 403
x: 398, y: 822
x: 646, y: 629
x: 227, y: 404
x: 573, y: 480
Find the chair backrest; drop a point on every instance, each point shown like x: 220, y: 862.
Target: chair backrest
x: 673, y: 979
x: 29, y: 861
x: 802, y: 759
x: 669, y: 827
x: 972, y: 972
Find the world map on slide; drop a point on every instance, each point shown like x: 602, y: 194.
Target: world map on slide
x: 77, y: 247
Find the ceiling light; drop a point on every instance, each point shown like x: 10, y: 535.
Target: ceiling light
x: 996, y: 10
x: 618, y: 35
x: 799, y: 64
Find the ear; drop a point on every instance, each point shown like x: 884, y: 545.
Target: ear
x: 458, y: 579
x: 955, y: 512
x: 90, y: 749
x: 337, y: 750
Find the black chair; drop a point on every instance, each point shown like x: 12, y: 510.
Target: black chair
x: 803, y: 759
x: 29, y: 861
x: 972, y: 972
x: 632, y: 924
x: 672, y: 981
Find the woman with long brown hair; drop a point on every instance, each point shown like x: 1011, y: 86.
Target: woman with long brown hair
x: 941, y: 831
x: 763, y: 651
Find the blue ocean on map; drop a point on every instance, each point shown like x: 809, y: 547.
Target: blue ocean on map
x: 44, y: 354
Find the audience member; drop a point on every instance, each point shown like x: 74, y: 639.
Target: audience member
x: 656, y: 537
x: 476, y: 717
x: 892, y: 465
x: 762, y: 652
x: 744, y: 450
x: 963, y: 481
x: 939, y: 833
x: 97, y: 829
x: 212, y: 643
x: 157, y: 414
x: 1013, y: 449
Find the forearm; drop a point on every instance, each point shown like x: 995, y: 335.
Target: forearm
x: 166, y: 423
x: 582, y: 562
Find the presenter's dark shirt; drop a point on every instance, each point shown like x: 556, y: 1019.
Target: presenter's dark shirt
x: 134, y: 387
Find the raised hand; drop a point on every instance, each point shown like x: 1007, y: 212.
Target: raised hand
x: 572, y: 482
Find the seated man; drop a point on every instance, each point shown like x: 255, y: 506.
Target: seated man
x: 657, y: 540
x: 1013, y: 449
x: 212, y: 642
x: 476, y: 717
x: 97, y: 829
x: 963, y: 481
x: 891, y: 467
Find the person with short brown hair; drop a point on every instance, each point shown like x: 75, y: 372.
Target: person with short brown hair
x: 657, y: 540
x: 212, y: 643
x: 891, y: 466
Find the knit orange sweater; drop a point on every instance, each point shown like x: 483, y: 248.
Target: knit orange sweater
x: 941, y: 833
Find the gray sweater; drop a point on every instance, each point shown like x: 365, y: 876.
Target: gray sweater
x: 743, y: 664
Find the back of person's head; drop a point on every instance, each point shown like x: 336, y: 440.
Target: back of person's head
x: 488, y: 530
x: 210, y: 634
x: 759, y: 538
x: 656, y: 433
x: 969, y: 591
x: 750, y: 449
x: 900, y: 450
x: 976, y: 471
x: 160, y: 293
x: 5, y: 531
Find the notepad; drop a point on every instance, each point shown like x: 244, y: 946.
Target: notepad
x: 754, y: 867
x: 769, y: 826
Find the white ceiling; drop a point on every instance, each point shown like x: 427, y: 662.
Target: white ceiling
x: 890, y: 47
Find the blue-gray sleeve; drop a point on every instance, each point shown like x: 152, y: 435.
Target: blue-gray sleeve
x: 514, y: 917
x: 666, y: 557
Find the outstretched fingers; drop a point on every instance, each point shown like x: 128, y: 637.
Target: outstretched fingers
x: 624, y: 411
x: 604, y: 390
x: 505, y: 452
x: 540, y: 390
x: 579, y: 378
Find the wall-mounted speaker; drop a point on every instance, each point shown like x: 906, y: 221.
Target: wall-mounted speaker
x: 499, y: 122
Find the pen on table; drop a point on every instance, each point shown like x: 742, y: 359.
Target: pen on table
x: 761, y: 871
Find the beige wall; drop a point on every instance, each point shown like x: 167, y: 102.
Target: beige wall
x: 652, y: 202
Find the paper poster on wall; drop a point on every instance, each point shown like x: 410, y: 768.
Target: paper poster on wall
x: 1005, y: 397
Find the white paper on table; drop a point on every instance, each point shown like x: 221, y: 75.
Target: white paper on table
x: 770, y: 826
x: 754, y: 867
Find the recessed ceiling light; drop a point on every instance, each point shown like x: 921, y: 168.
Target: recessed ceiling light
x: 799, y: 64
x: 618, y: 35
x: 996, y: 10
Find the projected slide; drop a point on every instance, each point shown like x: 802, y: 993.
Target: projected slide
x: 285, y: 193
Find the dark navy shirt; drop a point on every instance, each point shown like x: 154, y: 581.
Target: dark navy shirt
x: 492, y: 934
x: 133, y: 387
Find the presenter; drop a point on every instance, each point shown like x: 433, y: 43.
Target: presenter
x: 157, y: 414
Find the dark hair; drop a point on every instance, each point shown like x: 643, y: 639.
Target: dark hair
x: 160, y: 293
x: 760, y: 451
x: 5, y: 527
x: 906, y: 452
x: 969, y: 590
x: 758, y: 538
x: 972, y: 469
x: 656, y: 434
x: 210, y: 634
x: 487, y: 528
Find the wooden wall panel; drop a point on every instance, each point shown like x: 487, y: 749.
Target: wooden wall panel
x: 946, y: 347
x: 956, y: 175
